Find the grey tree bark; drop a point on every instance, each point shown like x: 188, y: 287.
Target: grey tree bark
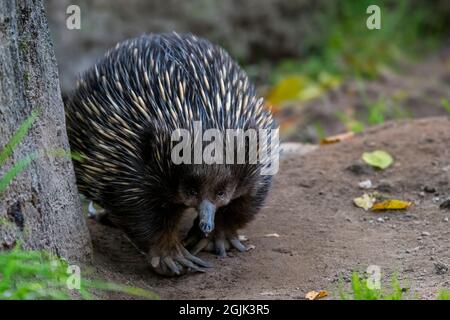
x: 41, y: 207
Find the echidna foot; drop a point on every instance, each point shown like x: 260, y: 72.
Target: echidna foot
x: 218, y: 242
x: 176, y: 262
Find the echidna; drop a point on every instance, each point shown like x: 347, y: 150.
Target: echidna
x: 120, y: 120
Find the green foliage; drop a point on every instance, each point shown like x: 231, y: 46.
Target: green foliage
x: 371, y: 112
x: 346, y: 45
x: 23, y: 163
x: 26, y: 275
x: 376, y: 112
x: 343, y: 46
x: 361, y: 290
x: 443, y: 295
x: 38, y: 274
x: 18, y: 167
x: 446, y: 105
x: 18, y: 136
x: 320, y: 131
x: 350, y: 122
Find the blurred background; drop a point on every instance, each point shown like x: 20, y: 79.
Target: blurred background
x: 320, y: 68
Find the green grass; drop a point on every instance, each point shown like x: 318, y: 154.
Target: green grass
x: 23, y: 163
x: 371, y: 112
x: 18, y: 136
x: 7, y: 151
x: 446, y: 105
x: 350, y: 122
x: 39, y: 274
x: 361, y: 290
x: 31, y: 275
x: 443, y: 295
x: 17, y: 168
x: 343, y: 47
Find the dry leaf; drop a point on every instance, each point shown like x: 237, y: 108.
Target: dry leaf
x: 391, y: 205
x: 337, y: 138
x: 314, y: 295
x: 366, y: 201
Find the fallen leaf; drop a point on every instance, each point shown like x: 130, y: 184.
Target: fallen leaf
x: 287, y: 89
x: 314, y: 295
x: 393, y: 204
x: 366, y: 201
x: 379, y: 158
x: 294, y: 88
x: 337, y: 138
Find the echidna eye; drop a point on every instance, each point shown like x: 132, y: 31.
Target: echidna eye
x: 220, y: 193
x: 192, y: 193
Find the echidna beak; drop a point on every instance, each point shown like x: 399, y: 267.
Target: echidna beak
x: 206, y: 213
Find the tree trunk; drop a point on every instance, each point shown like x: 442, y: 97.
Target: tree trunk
x: 41, y: 208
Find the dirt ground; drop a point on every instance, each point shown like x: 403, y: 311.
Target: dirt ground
x: 322, y: 235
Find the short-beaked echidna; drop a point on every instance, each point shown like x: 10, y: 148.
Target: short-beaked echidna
x: 120, y: 121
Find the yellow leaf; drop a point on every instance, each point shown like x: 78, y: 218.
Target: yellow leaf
x: 391, y: 205
x: 337, y: 138
x: 314, y: 295
x: 287, y: 89
x: 366, y: 201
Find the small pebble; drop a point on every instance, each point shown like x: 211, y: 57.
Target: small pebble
x: 440, y: 268
x: 425, y: 234
x: 366, y: 184
x: 412, y: 250
x: 360, y: 169
x: 429, y: 189
x: 445, y: 204
x: 385, y: 187
x: 446, y: 219
x: 381, y: 220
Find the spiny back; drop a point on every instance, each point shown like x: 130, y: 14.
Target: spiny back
x: 154, y: 83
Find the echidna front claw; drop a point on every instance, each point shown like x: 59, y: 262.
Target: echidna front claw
x: 176, y: 262
x: 218, y: 242
x: 237, y: 244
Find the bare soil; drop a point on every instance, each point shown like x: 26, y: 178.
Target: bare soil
x: 322, y: 235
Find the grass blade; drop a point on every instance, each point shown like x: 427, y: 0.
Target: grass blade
x: 18, y: 136
x: 20, y: 165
